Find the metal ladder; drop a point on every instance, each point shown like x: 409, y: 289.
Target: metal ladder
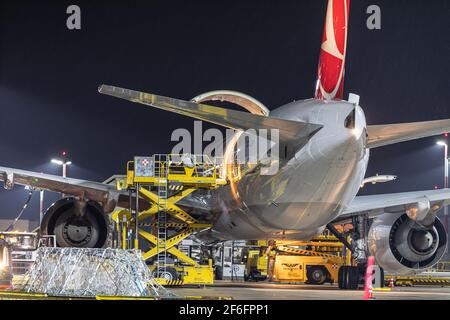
x: 161, y: 172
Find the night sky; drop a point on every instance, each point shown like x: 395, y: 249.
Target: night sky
x: 269, y: 50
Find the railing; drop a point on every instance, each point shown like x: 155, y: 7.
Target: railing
x: 199, y: 166
x: 185, y: 168
x: 21, y: 267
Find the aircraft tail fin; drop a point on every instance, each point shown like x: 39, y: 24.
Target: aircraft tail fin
x: 330, y: 75
x: 383, y: 135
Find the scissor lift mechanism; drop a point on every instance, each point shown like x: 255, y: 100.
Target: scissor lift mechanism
x: 162, y: 181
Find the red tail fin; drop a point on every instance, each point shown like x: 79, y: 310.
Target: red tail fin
x: 330, y: 79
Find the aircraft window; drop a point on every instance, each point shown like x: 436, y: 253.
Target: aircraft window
x: 349, y: 122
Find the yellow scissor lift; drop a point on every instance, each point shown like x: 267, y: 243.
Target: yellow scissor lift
x: 162, y: 181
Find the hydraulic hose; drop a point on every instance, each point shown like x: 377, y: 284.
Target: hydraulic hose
x: 25, y: 206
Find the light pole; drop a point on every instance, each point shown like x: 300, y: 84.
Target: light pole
x: 445, y: 145
x: 41, y: 206
x: 64, y: 163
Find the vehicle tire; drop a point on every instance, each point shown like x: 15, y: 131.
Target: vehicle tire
x: 353, y: 278
x: 316, y: 275
x: 382, y: 277
x: 169, y: 274
x: 348, y: 278
x: 342, y: 275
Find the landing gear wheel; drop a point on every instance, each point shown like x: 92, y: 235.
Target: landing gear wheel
x: 316, y: 275
x: 348, y: 278
x: 341, y: 277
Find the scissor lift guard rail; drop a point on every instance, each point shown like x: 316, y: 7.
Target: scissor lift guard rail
x: 162, y: 181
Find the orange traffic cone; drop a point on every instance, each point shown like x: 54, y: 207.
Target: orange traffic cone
x: 371, y: 293
x: 368, y: 291
x: 391, y: 283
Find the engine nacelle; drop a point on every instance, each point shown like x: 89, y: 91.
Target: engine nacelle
x: 402, y: 246
x: 76, y: 223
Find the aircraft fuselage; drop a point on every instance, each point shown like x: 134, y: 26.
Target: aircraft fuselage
x: 310, y: 189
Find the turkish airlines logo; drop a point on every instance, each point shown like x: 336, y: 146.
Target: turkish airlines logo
x: 330, y: 45
x: 333, y: 50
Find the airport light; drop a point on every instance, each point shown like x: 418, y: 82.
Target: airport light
x: 63, y: 163
x: 58, y: 162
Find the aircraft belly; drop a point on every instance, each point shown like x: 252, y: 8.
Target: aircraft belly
x: 304, y: 195
x: 237, y: 225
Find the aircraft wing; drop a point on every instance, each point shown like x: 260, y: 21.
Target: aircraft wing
x: 106, y: 194
x: 383, y: 135
x: 288, y: 130
x: 375, y: 205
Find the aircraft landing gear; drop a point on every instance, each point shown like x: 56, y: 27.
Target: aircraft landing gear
x: 348, y: 278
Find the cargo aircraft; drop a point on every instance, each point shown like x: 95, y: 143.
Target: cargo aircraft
x: 325, y: 144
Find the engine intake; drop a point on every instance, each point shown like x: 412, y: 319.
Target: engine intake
x: 76, y: 224
x: 401, y: 245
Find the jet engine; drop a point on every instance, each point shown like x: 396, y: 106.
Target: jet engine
x: 403, y: 246
x: 76, y: 223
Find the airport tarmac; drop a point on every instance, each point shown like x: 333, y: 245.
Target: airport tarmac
x: 270, y: 291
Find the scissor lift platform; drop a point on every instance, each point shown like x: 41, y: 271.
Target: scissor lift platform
x: 162, y: 181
